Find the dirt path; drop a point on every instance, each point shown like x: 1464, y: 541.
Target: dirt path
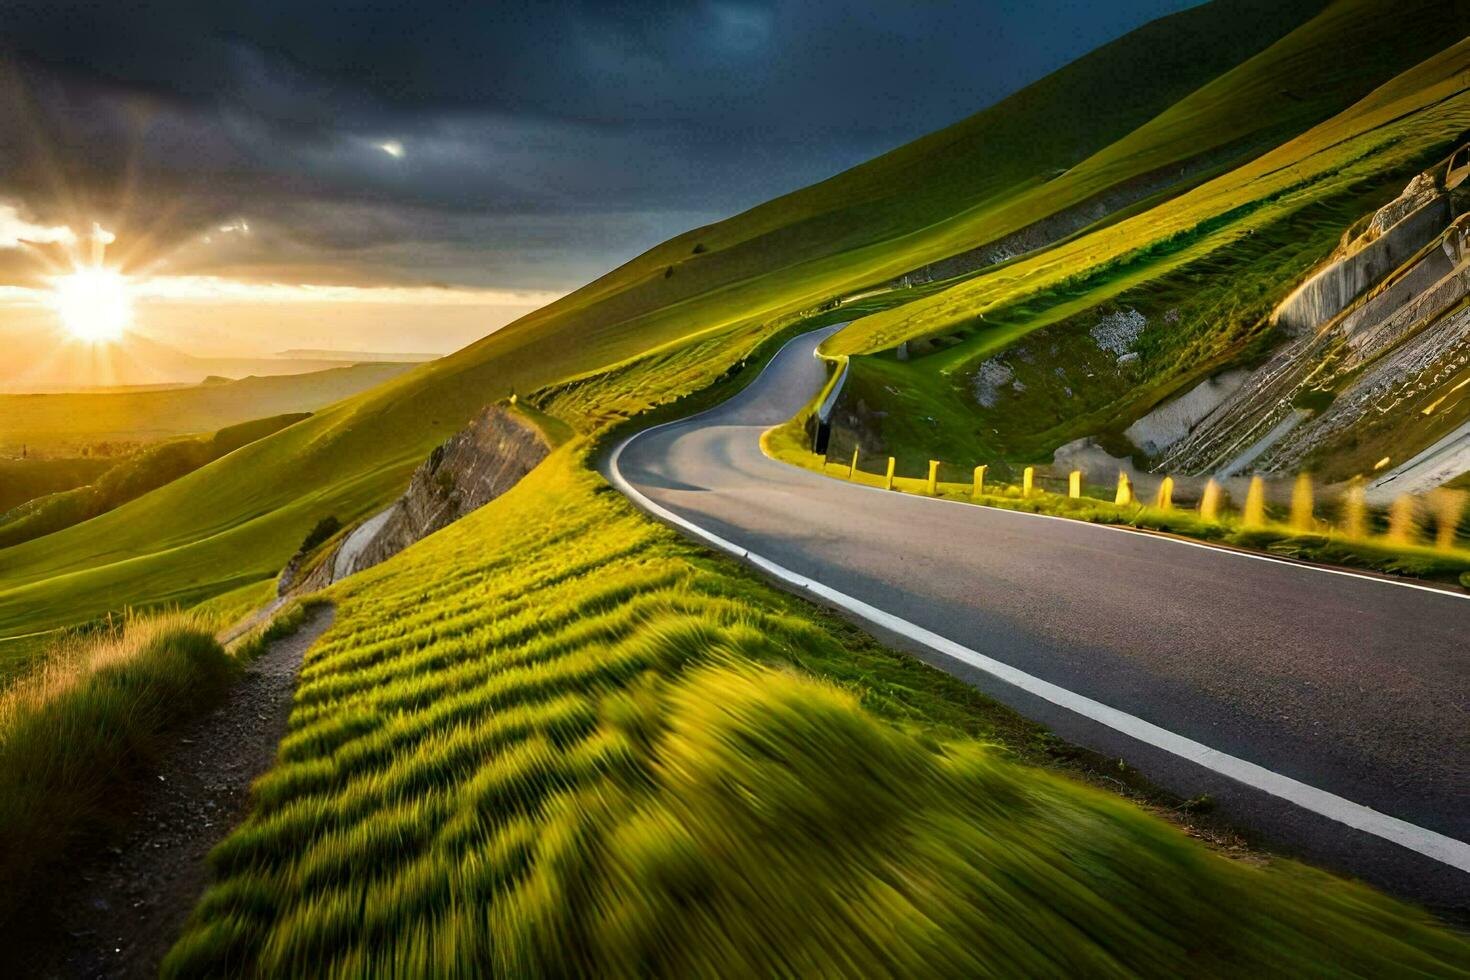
x: 132, y: 893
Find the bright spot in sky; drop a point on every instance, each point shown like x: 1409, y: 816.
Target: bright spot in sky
x: 93, y: 303
x: 393, y: 148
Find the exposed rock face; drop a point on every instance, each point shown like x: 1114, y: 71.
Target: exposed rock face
x: 1339, y: 389
x: 1174, y: 419
x: 1394, y: 233
x: 476, y: 465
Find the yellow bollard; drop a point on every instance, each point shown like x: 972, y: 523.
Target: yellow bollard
x: 933, y: 476
x: 1124, y: 496
x: 1402, y: 529
x: 1074, y: 484
x: 1255, y: 504
x: 979, y: 481
x: 1165, y: 499
x: 1209, y: 502
x: 888, y: 480
x: 1301, y: 504
x: 1448, y: 506
x: 1355, y: 511
x: 1028, y: 480
x: 852, y: 469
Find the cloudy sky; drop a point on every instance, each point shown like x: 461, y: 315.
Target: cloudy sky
x: 509, y: 152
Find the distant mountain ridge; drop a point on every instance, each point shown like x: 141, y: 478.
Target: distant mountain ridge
x: 356, y: 356
x: 38, y: 361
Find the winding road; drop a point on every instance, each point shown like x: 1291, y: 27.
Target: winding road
x: 1326, y: 712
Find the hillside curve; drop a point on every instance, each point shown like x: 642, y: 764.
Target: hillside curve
x: 1322, y: 710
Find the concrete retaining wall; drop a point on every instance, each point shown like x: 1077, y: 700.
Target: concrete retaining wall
x: 1328, y: 293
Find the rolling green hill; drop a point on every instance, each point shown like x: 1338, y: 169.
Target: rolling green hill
x: 691, y: 313
x: 70, y: 422
x: 26, y: 479
x: 1203, y: 270
x: 131, y: 477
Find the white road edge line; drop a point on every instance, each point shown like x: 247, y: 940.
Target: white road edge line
x: 1436, y: 846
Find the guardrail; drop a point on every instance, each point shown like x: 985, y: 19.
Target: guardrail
x: 822, y: 431
x: 1432, y: 520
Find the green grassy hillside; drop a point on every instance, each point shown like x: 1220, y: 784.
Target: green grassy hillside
x: 71, y: 422
x: 236, y: 521
x: 130, y: 477
x: 557, y: 740
x: 1202, y: 270
x: 31, y: 477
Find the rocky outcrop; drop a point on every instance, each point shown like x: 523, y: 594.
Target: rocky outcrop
x: 476, y: 465
x: 1361, y: 385
x: 1458, y: 169
x: 1394, y: 234
x: 1173, y: 420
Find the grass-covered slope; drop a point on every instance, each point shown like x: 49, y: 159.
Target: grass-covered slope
x: 30, y: 477
x: 122, y: 418
x: 1203, y: 270
x: 1397, y: 127
x: 130, y: 477
x: 556, y: 740
x: 716, y: 290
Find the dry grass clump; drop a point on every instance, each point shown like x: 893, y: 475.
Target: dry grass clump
x: 93, y: 712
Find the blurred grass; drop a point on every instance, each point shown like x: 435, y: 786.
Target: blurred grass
x: 555, y: 739
x: 75, y: 730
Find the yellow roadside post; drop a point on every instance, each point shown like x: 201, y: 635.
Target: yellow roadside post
x: 888, y: 480
x: 1124, y: 496
x: 1074, y: 484
x: 1448, y: 506
x: 979, y: 481
x: 852, y: 470
x: 1355, y: 511
x: 1209, y: 502
x: 1301, y: 504
x: 1255, y: 504
x: 1401, y: 523
x: 1165, y: 499
x: 933, y: 476
x: 1028, y: 480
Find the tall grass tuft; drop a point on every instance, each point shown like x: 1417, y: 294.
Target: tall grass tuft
x: 94, y: 712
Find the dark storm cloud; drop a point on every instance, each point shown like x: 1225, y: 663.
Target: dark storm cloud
x: 542, y: 142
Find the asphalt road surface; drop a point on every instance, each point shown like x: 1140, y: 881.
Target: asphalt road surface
x: 1325, y: 713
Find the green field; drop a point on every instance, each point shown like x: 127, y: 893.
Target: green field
x: 556, y: 739
x: 130, y: 477
x: 25, y: 479
x: 60, y: 424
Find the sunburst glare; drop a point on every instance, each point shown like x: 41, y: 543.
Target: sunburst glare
x: 94, y: 303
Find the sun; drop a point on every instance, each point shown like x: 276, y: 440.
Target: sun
x: 94, y: 303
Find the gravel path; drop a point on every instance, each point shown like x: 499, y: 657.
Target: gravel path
x: 120, y: 913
